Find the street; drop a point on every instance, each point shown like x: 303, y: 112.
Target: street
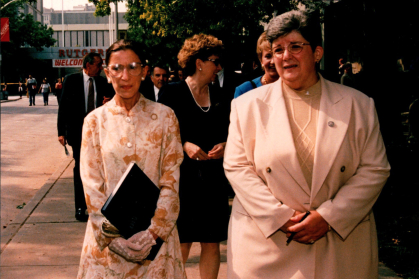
x: 30, y: 151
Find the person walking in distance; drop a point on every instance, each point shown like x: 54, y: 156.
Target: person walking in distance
x: 45, y: 88
x: 31, y: 84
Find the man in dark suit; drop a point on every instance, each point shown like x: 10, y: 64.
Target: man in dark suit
x: 82, y: 92
x: 159, y: 77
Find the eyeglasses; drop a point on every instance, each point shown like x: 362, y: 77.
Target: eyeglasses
x: 215, y: 61
x: 134, y: 69
x: 293, y: 48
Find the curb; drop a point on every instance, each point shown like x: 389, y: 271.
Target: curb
x: 11, y: 100
x: 13, y: 228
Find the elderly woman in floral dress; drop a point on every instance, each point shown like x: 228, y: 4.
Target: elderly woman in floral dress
x: 130, y: 128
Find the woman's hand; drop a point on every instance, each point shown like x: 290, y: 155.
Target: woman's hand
x: 143, y: 238
x: 310, y: 230
x: 289, y: 223
x: 130, y: 251
x: 195, y: 152
x: 217, y: 151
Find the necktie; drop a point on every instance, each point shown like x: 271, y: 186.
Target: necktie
x: 90, y: 97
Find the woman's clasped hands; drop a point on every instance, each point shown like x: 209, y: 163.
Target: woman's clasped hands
x: 196, y: 153
x: 308, y: 231
x: 136, y: 248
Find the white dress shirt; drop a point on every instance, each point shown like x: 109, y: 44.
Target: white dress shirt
x: 156, y: 92
x: 220, y: 75
x: 86, y: 89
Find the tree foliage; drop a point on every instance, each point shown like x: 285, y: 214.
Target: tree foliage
x: 24, y: 31
x: 163, y: 25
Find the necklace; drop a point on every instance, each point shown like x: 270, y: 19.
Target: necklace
x: 209, y: 100
x: 264, y: 81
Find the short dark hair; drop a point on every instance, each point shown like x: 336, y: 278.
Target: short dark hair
x: 125, y: 45
x: 161, y: 67
x: 90, y: 58
x: 305, y: 23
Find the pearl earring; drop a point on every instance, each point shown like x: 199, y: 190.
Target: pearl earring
x: 200, y: 69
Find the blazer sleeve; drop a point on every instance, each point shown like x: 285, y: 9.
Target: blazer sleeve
x: 355, y: 199
x: 268, y: 213
x: 65, y: 106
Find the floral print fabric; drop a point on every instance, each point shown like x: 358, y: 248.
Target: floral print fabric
x: 112, y: 138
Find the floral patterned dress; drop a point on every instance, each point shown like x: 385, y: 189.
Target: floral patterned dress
x: 112, y: 138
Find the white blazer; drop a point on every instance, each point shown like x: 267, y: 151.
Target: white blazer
x: 350, y: 169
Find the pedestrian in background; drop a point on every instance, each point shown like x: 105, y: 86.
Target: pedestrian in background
x: 348, y: 78
x: 203, y: 121
x: 5, y: 92
x: 31, y: 84
x: 303, y: 147
x: 58, y: 89
x: 82, y: 92
x: 45, y: 88
x: 20, y: 89
x: 159, y: 77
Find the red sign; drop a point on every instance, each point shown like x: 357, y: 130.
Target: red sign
x: 69, y: 63
x: 5, y: 31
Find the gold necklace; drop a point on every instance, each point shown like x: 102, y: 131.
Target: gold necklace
x: 209, y: 99
x: 264, y: 81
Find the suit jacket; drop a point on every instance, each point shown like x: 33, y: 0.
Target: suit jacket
x: 231, y: 81
x: 147, y: 89
x: 72, y: 111
x: 350, y: 169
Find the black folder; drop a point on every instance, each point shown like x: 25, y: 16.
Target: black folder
x: 132, y: 204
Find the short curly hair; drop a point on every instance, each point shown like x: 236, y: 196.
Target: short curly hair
x: 199, y: 46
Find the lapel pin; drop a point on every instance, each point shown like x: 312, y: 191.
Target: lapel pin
x: 331, y: 123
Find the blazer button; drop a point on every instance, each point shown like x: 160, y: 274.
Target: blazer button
x: 331, y: 123
x: 342, y: 169
x: 268, y: 170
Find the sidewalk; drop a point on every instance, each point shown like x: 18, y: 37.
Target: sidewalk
x: 45, y: 240
x: 12, y: 99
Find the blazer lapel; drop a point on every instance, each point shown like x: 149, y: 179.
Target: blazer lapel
x: 334, y: 115
x: 278, y: 132
x: 79, y: 84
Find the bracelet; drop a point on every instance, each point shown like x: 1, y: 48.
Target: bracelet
x: 109, y: 230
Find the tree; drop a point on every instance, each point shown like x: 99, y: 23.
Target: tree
x: 163, y: 25
x: 24, y: 31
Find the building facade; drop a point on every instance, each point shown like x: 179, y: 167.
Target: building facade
x: 80, y: 33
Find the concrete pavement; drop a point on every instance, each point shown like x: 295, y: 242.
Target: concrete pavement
x: 45, y: 240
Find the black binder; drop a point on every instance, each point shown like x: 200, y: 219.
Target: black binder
x: 132, y: 204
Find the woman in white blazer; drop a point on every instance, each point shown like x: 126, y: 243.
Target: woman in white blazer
x: 303, y: 144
